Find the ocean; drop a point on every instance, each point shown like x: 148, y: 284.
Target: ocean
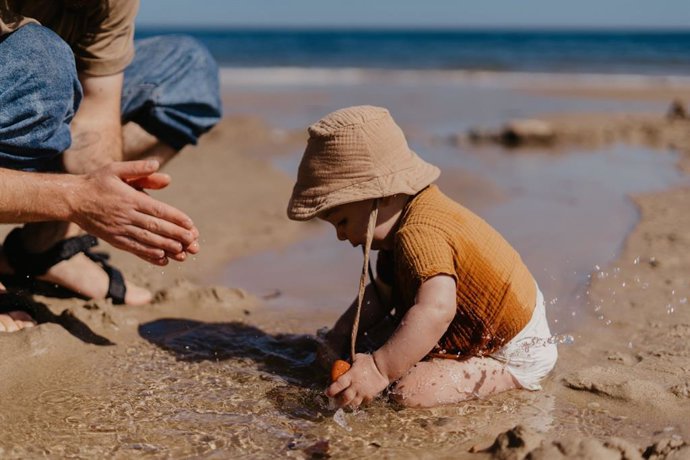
x: 526, y: 51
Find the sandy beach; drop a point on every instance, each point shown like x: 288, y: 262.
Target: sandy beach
x: 214, y: 369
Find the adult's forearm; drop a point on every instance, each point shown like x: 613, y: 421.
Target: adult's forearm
x: 34, y: 197
x: 96, y: 127
x: 94, y: 144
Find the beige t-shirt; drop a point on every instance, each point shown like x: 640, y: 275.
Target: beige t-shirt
x: 100, y: 32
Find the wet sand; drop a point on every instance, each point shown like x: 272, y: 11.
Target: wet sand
x: 214, y: 371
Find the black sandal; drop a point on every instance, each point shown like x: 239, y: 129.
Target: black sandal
x: 29, y: 265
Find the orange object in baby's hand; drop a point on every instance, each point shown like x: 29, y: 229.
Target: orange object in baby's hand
x: 338, y: 369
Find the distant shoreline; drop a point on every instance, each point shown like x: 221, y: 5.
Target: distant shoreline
x: 356, y: 75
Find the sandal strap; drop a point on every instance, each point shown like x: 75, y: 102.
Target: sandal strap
x: 25, y: 263
x: 116, y: 282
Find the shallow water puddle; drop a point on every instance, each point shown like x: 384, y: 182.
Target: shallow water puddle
x: 566, y: 214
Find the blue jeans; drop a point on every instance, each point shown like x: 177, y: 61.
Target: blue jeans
x: 170, y: 89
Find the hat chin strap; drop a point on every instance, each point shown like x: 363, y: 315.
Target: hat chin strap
x: 373, y: 216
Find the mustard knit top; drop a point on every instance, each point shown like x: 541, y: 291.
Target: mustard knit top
x: 496, y: 293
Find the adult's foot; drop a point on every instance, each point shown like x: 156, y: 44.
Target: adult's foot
x: 85, y: 277
x: 78, y: 273
x: 14, y: 320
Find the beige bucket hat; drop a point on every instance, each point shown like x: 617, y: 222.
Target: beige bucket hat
x: 355, y: 154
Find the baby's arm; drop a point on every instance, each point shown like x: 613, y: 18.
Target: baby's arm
x: 338, y: 338
x: 419, y: 331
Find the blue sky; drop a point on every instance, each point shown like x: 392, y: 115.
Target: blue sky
x: 417, y: 13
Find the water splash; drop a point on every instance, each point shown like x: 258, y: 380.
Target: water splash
x: 558, y: 339
x: 562, y: 339
x: 339, y: 418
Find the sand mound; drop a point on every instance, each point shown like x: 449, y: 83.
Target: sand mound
x: 670, y: 130
x: 617, y: 384
x: 522, y: 443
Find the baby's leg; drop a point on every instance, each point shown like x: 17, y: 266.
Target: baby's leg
x: 446, y: 381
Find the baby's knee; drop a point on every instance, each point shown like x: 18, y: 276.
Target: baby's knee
x: 405, y: 398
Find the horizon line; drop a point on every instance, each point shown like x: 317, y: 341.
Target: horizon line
x: 414, y: 28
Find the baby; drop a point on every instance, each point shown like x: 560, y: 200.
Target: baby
x: 465, y: 316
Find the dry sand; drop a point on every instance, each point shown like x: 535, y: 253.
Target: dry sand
x: 637, y: 374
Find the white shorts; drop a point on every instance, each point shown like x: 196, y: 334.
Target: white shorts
x: 531, y: 354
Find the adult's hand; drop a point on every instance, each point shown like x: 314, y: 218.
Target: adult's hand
x: 109, y: 203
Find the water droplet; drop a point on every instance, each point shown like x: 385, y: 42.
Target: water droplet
x: 636, y: 261
x: 339, y: 418
x: 623, y: 284
x: 564, y: 339
x: 607, y: 322
x: 573, y: 313
x: 596, y: 267
x: 630, y: 345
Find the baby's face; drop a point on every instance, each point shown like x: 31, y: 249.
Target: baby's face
x: 350, y: 221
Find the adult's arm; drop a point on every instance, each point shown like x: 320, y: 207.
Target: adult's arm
x: 106, y: 203
x: 97, y: 127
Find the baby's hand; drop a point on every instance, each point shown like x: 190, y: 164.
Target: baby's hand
x: 362, y: 383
